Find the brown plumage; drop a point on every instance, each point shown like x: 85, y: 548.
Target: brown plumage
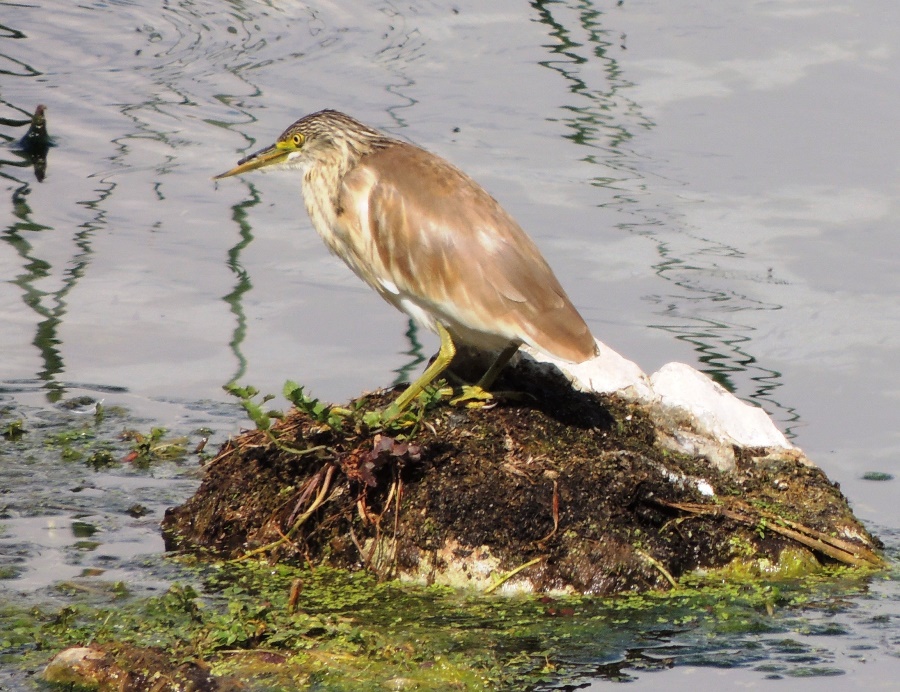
x: 428, y: 239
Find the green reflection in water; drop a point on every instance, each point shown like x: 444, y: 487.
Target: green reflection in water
x: 50, y: 307
x: 415, y: 352
x: 34, y: 269
x: 596, y: 119
x: 603, y: 119
x: 243, y: 283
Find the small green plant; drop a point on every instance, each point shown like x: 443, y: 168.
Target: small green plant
x: 14, y: 430
x: 100, y: 459
x: 327, y: 414
x: 263, y: 418
x: 403, y: 423
x: 74, y: 444
x: 255, y: 411
x: 154, y: 446
x: 407, y: 421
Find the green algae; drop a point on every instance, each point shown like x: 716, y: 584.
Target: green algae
x: 263, y: 627
x: 257, y: 626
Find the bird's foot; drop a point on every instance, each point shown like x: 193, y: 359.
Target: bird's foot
x: 405, y: 416
x: 472, y: 396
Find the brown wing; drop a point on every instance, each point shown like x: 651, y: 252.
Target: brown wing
x: 441, y: 238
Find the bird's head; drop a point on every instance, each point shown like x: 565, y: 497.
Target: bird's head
x: 324, y: 137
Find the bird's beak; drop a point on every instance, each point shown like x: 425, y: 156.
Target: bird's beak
x: 261, y: 159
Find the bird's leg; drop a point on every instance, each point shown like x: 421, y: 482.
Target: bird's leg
x: 440, y: 363
x: 487, y: 380
x: 477, y: 393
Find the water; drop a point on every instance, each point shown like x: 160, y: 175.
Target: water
x: 714, y: 183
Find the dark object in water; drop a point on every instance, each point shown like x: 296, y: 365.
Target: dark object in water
x: 36, y: 142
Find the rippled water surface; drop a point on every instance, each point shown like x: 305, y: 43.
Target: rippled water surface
x: 714, y: 182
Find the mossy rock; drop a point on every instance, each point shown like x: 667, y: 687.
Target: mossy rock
x: 552, y: 491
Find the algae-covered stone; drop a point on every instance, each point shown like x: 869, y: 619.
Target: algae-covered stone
x: 123, y: 668
x: 86, y: 667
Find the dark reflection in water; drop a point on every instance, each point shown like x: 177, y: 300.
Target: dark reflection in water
x: 243, y: 284
x: 415, y: 353
x: 598, y: 122
x: 50, y: 307
x: 603, y: 119
x: 34, y: 269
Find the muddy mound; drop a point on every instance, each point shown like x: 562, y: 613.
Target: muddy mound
x: 553, y: 490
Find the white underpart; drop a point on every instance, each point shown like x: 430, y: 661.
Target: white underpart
x: 389, y: 286
x: 292, y: 162
x: 421, y: 316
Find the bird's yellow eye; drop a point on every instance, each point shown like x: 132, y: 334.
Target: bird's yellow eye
x: 297, y: 139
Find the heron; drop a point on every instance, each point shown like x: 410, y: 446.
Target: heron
x: 430, y: 241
